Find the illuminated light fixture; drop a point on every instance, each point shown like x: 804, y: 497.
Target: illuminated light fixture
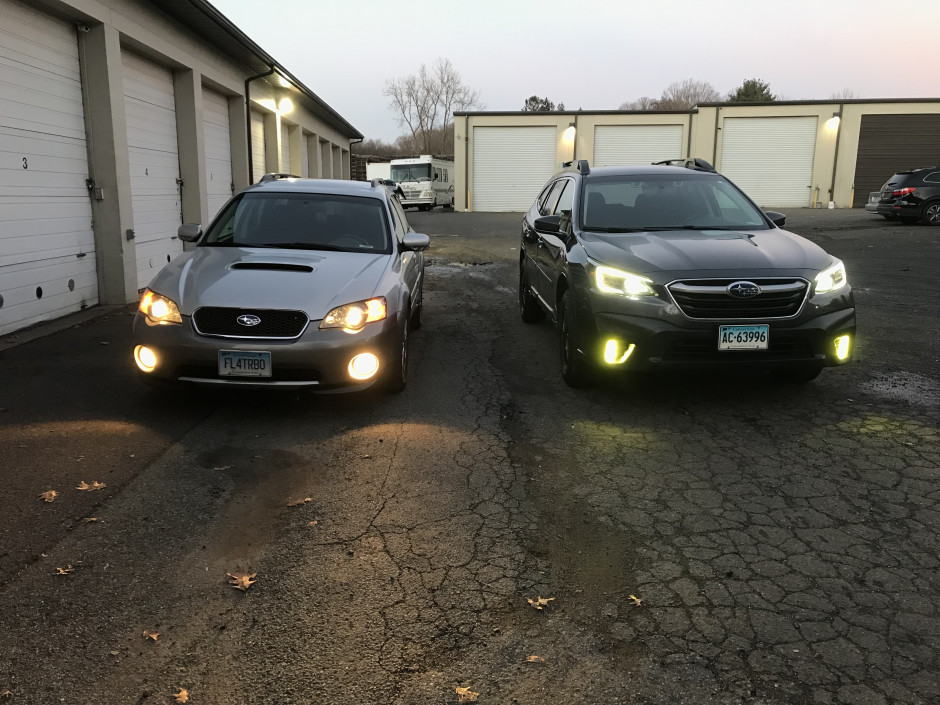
x: 833, y: 122
x: 614, y: 354
x: 145, y: 358
x: 285, y: 106
x: 363, y: 366
x: 843, y: 345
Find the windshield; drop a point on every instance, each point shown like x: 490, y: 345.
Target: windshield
x: 665, y: 202
x: 302, y: 221
x: 411, y: 172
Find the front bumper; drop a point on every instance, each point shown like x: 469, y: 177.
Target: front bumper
x: 406, y: 202
x: 318, y: 360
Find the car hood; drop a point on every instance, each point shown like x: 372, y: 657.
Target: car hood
x: 678, y: 251
x: 237, y: 277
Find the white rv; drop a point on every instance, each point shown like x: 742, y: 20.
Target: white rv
x: 378, y: 170
x: 426, y: 181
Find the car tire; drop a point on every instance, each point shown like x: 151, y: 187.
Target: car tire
x: 529, y: 308
x: 574, y: 369
x: 930, y: 215
x: 396, y: 377
x: 797, y: 375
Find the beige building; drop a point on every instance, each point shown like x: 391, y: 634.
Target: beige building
x: 121, y: 119
x: 783, y: 154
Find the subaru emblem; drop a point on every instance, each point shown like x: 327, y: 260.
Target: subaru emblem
x: 248, y: 319
x: 743, y: 290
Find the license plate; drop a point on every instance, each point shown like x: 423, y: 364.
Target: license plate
x: 241, y: 363
x: 743, y: 337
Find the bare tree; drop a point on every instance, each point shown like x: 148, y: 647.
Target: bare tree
x: 844, y: 94
x: 684, y: 95
x: 643, y: 103
x: 424, y: 104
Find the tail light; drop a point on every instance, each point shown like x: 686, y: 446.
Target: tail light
x: 897, y: 193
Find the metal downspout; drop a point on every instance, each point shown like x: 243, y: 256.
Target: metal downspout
x: 251, y: 166
x: 835, y: 160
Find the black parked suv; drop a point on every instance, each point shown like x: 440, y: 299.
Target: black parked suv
x: 672, y: 266
x: 910, y: 196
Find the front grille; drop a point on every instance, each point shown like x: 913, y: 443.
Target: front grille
x: 707, y: 351
x: 274, y: 323
x: 709, y: 299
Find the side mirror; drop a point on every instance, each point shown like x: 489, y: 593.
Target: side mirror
x: 548, y: 223
x: 778, y: 219
x: 189, y: 232
x: 415, y: 242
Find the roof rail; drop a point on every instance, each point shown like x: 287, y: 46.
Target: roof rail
x: 688, y: 163
x: 276, y: 176
x: 581, y: 166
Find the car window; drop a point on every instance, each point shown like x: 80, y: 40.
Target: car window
x: 565, y: 202
x: 548, y: 205
x: 932, y: 178
x: 401, y: 222
x: 302, y: 221
x: 660, y: 201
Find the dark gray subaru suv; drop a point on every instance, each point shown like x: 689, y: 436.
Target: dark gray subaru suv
x: 672, y: 266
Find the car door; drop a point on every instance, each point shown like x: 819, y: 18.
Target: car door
x: 412, y: 263
x: 534, y: 239
x: 553, y: 246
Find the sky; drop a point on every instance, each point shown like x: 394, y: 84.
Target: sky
x: 595, y: 55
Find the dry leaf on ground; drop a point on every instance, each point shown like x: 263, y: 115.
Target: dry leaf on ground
x: 95, y: 485
x: 298, y: 502
x: 6, y: 695
x: 91, y: 519
x: 535, y: 659
x: 312, y: 523
x: 540, y: 602
x: 465, y: 695
x: 242, y: 580
x: 182, y: 696
x: 151, y: 635
x: 636, y: 600
x: 223, y: 467
x: 64, y: 571
x: 49, y: 495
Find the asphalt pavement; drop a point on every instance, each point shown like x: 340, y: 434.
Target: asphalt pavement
x: 702, y: 540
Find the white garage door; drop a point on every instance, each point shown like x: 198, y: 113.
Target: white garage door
x: 634, y: 145
x: 258, y: 154
x: 47, y: 248
x: 771, y: 159
x: 155, y: 166
x: 510, y: 166
x: 218, y: 144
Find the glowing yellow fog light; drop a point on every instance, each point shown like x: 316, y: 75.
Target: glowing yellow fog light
x: 145, y: 358
x: 616, y: 353
x: 363, y: 366
x: 843, y: 346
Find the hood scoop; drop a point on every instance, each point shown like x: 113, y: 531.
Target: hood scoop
x: 273, y: 266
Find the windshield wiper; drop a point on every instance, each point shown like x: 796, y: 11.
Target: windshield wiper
x: 598, y: 229
x: 295, y: 246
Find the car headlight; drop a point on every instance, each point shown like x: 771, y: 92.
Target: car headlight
x: 352, y: 317
x: 614, y: 281
x: 831, y: 279
x: 158, y: 309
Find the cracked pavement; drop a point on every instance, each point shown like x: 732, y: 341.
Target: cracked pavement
x: 706, y: 540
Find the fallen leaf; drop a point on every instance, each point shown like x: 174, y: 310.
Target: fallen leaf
x: 223, y: 467
x: 535, y: 659
x: 540, y: 602
x: 95, y: 485
x: 64, y: 571
x: 49, y: 495
x: 465, y: 695
x: 366, y: 457
x: 312, y: 523
x: 242, y: 580
x: 91, y: 519
x: 298, y: 502
x: 151, y: 635
x: 6, y: 694
x: 182, y: 696
x: 636, y: 600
